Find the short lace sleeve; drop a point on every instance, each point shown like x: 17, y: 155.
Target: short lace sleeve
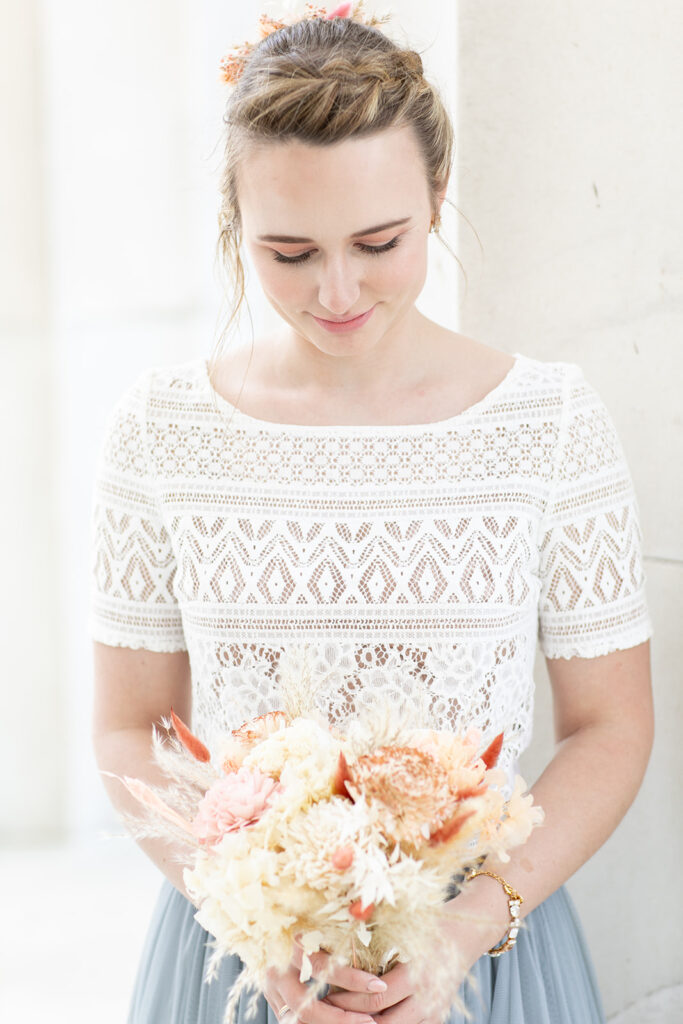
x: 592, y: 599
x: 132, y: 602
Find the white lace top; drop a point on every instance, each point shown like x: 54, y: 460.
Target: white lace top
x: 430, y: 556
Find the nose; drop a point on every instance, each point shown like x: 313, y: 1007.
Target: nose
x: 339, y: 286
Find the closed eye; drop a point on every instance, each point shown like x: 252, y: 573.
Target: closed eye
x: 373, y: 250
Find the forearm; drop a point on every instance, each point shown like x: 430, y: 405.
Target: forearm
x: 584, y: 791
x: 129, y: 752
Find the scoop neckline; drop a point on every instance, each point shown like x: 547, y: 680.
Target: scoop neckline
x: 362, y: 428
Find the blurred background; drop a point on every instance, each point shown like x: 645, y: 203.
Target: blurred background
x: 569, y: 162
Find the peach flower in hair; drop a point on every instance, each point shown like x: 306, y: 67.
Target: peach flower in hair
x: 340, y: 12
x: 233, y: 63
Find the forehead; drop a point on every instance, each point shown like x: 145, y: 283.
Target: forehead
x: 279, y: 183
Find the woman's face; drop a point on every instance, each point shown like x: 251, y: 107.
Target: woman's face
x: 338, y: 231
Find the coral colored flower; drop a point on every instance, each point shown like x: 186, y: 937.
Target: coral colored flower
x: 343, y: 11
x: 237, y: 799
x: 360, y: 912
x: 342, y: 858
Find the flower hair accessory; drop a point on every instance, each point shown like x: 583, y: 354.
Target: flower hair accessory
x: 233, y: 63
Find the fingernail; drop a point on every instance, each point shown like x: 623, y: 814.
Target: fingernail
x: 377, y: 985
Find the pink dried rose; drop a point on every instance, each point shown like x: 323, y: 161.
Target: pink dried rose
x: 238, y: 799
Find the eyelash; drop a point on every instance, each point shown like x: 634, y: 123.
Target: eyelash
x: 374, y: 250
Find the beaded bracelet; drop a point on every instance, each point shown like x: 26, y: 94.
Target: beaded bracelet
x: 514, y: 901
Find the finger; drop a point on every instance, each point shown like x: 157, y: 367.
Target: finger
x: 358, y: 1002
x: 415, y: 1009
x: 408, y: 1011
x: 350, y: 978
x: 294, y: 993
x: 276, y: 1001
x: 399, y: 984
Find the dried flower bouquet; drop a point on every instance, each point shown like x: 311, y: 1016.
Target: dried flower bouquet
x: 344, y: 842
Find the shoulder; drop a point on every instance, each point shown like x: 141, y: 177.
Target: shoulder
x: 162, y: 387
x: 154, y: 396
x: 552, y: 380
x: 540, y: 383
x: 176, y: 379
x: 578, y: 399
x: 478, y: 359
x: 585, y: 429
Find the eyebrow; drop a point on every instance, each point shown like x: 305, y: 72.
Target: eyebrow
x: 356, y: 234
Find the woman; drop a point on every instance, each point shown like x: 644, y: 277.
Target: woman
x: 401, y: 497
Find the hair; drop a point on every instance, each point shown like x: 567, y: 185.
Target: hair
x: 322, y: 81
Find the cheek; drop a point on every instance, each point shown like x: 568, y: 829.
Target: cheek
x: 278, y: 281
x: 403, y: 271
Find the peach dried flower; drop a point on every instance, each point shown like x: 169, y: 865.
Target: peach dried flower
x: 409, y: 783
x: 257, y: 729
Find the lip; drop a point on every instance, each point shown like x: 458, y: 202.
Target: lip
x: 347, y: 325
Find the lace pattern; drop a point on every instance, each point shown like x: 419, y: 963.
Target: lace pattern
x: 424, y: 560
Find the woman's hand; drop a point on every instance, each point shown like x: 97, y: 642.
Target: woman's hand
x: 402, y: 1003
x: 408, y: 993
x: 285, y: 988
x: 475, y: 920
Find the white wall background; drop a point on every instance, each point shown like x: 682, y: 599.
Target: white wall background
x: 569, y: 153
x: 570, y: 162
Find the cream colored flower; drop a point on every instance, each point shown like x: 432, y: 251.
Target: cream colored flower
x: 303, y: 756
x: 317, y: 832
x: 234, y: 747
x: 520, y: 816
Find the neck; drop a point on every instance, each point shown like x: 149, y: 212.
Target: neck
x: 395, y: 361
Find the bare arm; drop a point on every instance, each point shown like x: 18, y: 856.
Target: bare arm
x: 133, y: 689
x: 604, y: 728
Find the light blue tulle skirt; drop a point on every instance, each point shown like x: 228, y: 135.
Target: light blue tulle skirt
x: 546, y: 978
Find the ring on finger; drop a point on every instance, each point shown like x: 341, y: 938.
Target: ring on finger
x: 283, y: 1010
